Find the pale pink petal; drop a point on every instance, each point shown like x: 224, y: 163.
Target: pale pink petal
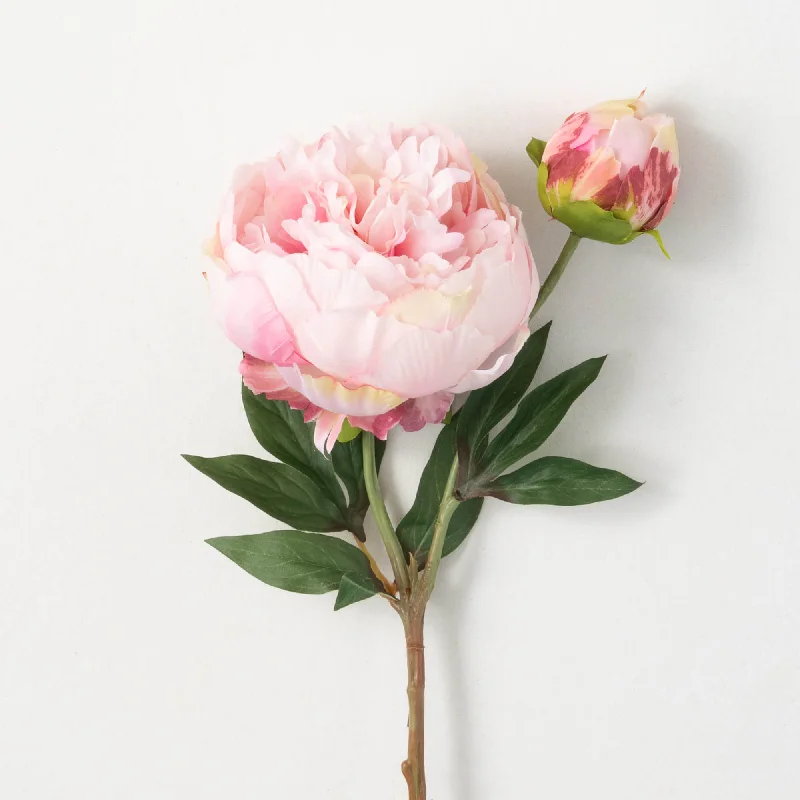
x: 494, y: 366
x: 332, y: 395
x: 426, y: 234
x: 417, y: 362
x: 666, y: 136
x: 381, y: 424
x: 263, y: 378
x: 327, y: 428
x: 246, y: 311
x: 505, y: 292
x: 630, y: 139
x: 284, y: 281
x: 427, y: 308
x: 384, y: 275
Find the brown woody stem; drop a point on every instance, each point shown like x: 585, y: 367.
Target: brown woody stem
x: 413, y: 614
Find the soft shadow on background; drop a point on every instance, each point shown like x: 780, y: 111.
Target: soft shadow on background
x: 624, y: 307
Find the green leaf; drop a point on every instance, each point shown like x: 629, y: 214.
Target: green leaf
x: 277, y: 489
x: 485, y: 408
x: 348, y: 461
x: 282, y: 431
x: 587, y: 219
x: 354, y: 588
x: 415, y: 530
x: 535, y: 150
x: 561, y: 482
x: 296, y: 561
x: 536, y: 417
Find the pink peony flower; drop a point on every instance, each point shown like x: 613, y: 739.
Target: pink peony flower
x: 611, y: 172
x: 371, y: 277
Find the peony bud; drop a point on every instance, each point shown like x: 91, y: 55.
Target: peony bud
x: 610, y: 173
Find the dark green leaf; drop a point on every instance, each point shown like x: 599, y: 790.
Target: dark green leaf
x: 486, y: 407
x: 281, y: 431
x: 415, y: 530
x: 277, y: 489
x: 355, y: 587
x: 561, y: 482
x: 535, y: 150
x: 537, y: 416
x: 308, y: 563
x: 348, y: 461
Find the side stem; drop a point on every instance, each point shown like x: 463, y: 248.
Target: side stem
x: 390, y: 541
x: 448, y: 506
x: 558, y: 270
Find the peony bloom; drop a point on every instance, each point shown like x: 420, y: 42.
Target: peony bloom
x: 610, y: 173
x: 371, y: 278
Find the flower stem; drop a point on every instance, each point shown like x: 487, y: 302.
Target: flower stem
x: 390, y: 541
x: 558, y: 270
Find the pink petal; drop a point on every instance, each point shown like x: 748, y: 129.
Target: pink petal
x: 245, y: 309
x: 332, y: 395
x: 598, y: 178
x: 631, y: 140
x: 263, y: 378
x: 327, y: 429
x: 426, y: 410
x: 494, y: 366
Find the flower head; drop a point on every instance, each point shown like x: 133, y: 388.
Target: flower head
x: 371, y: 278
x: 610, y: 172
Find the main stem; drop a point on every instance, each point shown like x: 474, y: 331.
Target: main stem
x: 412, y: 611
x: 415, y: 588
x: 413, y: 767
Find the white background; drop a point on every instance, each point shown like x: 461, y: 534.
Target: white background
x: 645, y: 648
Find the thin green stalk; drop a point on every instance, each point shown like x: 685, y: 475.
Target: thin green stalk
x: 385, y: 527
x: 558, y: 270
x: 448, y: 506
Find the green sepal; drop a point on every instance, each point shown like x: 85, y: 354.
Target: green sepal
x: 348, y: 432
x: 657, y: 236
x: 588, y: 220
x: 535, y: 150
x: 541, y: 187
